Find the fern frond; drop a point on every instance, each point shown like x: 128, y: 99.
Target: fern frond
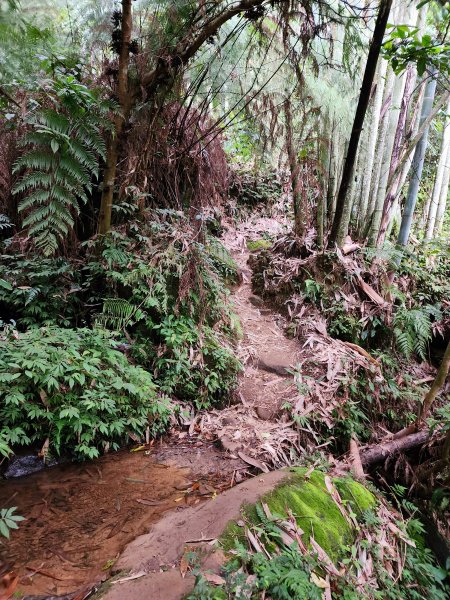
x: 36, y: 159
x: 60, y: 166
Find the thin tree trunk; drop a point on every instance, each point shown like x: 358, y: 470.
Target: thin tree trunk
x: 109, y: 175
x: 374, y: 125
x: 417, y: 164
x: 300, y: 211
x: 337, y: 234
x: 399, y: 134
x: 436, y: 195
x: 379, y: 149
x: 443, y: 199
x: 423, y: 126
x: 435, y: 388
x: 392, y: 130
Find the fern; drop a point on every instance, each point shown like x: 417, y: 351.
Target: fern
x: 118, y: 313
x: 413, y: 330
x: 62, y: 159
x: 5, y: 223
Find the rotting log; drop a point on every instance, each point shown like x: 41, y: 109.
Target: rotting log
x: 379, y: 452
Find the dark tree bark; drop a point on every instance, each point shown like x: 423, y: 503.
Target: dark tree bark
x: 364, y: 97
x: 300, y: 210
x: 375, y: 454
x: 109, y: 174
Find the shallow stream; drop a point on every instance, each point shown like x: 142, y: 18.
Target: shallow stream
x: 79, y: 517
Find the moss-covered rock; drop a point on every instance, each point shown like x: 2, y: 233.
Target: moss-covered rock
x: 306, y: 496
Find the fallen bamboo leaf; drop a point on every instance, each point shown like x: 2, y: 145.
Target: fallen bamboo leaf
x: 362, y: 352
x: 184, y: 565
x: 148, y: 502
x: 323, y: 557
x: 321, y: 583
x: 253, y: 462
x: 139, y: 448
x: 130, y: 577
x: 42, y: 572
x: 214, y: 579
x: 371, y: 293
x: 8, y: 584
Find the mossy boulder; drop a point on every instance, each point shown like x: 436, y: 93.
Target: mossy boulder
x: 305, y: 495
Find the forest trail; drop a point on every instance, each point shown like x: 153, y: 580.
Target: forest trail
x: 268, y: 355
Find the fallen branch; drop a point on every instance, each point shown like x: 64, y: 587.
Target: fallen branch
x: 375, y: 454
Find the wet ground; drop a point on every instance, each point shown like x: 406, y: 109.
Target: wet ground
x: 80, y: 517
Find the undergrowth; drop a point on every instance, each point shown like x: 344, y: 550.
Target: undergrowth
x: 275, y: 566
x: 414, y: 310
x: 149, y: 288
x: 70, y: 390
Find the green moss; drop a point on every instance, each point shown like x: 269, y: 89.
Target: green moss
x: 353, y: 492
x: 313, y: 507
x: 255, y: 245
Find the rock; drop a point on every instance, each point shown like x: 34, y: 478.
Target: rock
x: 25, y: 465
x: 256, y: 301
x: 266, y: 413
x: 276, y: 361
x: 229, y: 445
x: 297, y: 491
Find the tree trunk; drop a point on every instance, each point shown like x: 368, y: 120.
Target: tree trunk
x: 374, y: 125
x: 423, y: 126
x: 392, y: 129
x: 109, y: 175
x: 300, y: 211
x: 417, y: 164
x: 162, y: 75
x: 375, y: 454
x: 443, y: 199
x: 364, y: 96
x: 379, y: 149
x: 436, y: 195
x: 435, y: 388
x: 395, y: 157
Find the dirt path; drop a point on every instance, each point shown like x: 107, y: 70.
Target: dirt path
x: 269, y: 356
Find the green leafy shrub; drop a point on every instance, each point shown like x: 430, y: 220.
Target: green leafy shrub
x: 74, y: 389
x: 39, y: 291
x: 194, y: 364
x: 174, y: 305
x: 8, y: 520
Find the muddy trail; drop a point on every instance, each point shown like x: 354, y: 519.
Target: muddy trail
x: 80, y: 518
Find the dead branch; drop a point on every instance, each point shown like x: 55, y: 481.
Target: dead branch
x: 379, y: 452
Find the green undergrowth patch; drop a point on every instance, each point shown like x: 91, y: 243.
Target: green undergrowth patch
x: 68, y: 390
x: 415, y: 301
x: 261, y: 244
x: 155, y: 288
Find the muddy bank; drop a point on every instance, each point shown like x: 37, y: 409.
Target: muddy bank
x: 80, y: 517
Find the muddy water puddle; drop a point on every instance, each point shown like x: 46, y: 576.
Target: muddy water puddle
x: 80, y: 517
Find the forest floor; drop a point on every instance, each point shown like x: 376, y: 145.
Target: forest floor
x: 81, y: 517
